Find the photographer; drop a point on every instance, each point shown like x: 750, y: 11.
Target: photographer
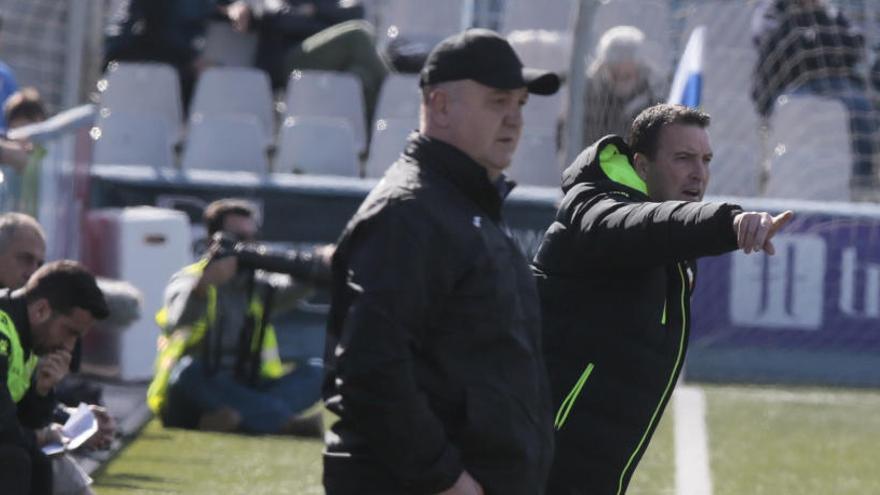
x: 218, y: 366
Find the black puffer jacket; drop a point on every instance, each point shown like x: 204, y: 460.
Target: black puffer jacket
x: 433, y: 353
x: 615, y: 281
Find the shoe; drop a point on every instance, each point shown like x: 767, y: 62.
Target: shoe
x: 222, y: 420
x: 311, y: 426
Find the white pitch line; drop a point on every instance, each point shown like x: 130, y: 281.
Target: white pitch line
x: 692, y: 473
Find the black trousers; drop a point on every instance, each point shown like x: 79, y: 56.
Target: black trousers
x: 24, y: 472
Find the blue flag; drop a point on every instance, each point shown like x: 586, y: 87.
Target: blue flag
x: 687, y: 86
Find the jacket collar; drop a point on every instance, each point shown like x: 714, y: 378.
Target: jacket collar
x: 461, y: 170
x: 608, y: 159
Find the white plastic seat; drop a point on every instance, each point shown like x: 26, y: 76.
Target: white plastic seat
x: 543, y: 111
x: 423, y: 17
x: 319, y: 145
x: 536, y: 162
x: 145, y: 89
x: 810, y: 150
x: 549, y: 15
x: 328, y: 94
x: 225, y: 46
x: 230, y: 91
x: 734, y: 131
x: 548, y: 50
x: 399, y: 98
x: 389, y: 139
x: 226, y: 143
x: 131, y: 139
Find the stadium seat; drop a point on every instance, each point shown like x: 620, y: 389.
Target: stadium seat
x: 536, y: 162
x: 810, y: 150
x: 736, y: 166
x: 548, y: 50
x: 230, y: 91
x: 224, y: 46
x: 389, y: 140
x: 550, y: 15
x: 328, y: 94
x: 544, y: 111
x: 430, y: 18
x: 399, y: 98
x: 319, y: 145
x: 226, y: 143
x: 145, y: 89
x: 131, y: 139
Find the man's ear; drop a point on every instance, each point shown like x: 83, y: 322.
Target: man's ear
x: 640, y: 164
x: 438, y: 101
x: 39, y: 311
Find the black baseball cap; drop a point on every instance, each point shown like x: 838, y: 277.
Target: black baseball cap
x: 484, y: 56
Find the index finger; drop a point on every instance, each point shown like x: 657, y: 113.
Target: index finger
x: 779, y: 221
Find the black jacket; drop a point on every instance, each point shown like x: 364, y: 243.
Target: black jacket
x: 17, y: 420
x: 433, y: 352
x: 615, y: 282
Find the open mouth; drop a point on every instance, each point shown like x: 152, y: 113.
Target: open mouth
x: 691, y: 194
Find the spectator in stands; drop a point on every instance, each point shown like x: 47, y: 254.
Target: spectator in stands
x: 620, y: 84
x: 218, y: 366
x: 8, y: 84
x: 433, y: 357
x: 24, y: 107
x: 60, y: 303
x: 166, y: 31
x: 313, y: 34
x: 22, y: 251
x: 808, y: 47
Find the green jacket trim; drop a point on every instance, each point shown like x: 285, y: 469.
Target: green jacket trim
x: 617, y: 167
x: 565, y: 407
x: 669, y: 385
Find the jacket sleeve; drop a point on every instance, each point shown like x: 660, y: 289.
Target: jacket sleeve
x: 35, y: 410
x: 393, y: 278
x: 184, y: 306
x: 10, y: 429
x: 614, y: 231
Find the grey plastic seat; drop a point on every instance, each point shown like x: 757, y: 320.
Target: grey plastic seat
x: 389, y: 140
x: 810, y: 150
x: 226, y: 143
x: 131, y: 139
x: 399, y: 98
x: 145, y: 89
x: 230, y: 91
x: 225, y: 46
x: 536, y: 162
x: 317, y: 145
x: 328, y: 94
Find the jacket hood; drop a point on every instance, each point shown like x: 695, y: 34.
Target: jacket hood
x: 608, y: 159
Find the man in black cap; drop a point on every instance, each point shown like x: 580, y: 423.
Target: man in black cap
x: 433, y: 358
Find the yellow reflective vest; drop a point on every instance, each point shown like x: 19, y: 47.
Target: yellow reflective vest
x: 174, y: 343
x: 20, y: 369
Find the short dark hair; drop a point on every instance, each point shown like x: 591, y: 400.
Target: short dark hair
x: 216, y: 212
x: 25, y: 103
x: 66, y: 285
x: 645, y: 131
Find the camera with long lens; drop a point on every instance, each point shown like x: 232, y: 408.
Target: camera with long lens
x: 303, y: 265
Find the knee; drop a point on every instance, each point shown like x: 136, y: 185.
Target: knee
x: 358, y: 31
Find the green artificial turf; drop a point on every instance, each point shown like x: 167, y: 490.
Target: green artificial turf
x: 762, y: 441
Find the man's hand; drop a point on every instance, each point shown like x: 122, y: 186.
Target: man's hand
x: 465, y: 485
x: 755, y: 230
x: 49, y: 434
x: 218, y: 272
x: 239, y: 15
x: 51, y: 369
x: 106, y: 429
x: 15, y: 153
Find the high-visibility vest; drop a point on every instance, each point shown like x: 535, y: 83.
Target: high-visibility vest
x: 20, y: 369
x: 174, y: 343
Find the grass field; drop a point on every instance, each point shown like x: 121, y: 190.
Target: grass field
x: 761, y: 441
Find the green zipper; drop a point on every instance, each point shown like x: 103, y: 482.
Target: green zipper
x: 669, y: 385
x: 565, y: 408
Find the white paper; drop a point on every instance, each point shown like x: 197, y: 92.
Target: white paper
x: 80, y: 426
